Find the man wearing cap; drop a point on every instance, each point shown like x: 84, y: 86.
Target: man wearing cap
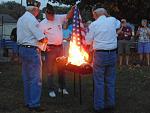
x: 102, y: 36
x: 52, y: 28
x: 28, y: 37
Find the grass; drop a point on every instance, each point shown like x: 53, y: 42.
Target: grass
x: 132, y: 92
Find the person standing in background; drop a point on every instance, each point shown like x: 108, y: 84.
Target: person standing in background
x: 66, y: 38
x: 143, y: 34
x: 124, y: 37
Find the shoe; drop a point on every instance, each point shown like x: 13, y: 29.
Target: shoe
x: 37, y: 109
x: 52, y: 94
x: 65, y: 92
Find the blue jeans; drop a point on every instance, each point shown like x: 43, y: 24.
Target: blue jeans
x: 104, y: 73
x: 51, y: 56
x: 32, y: 75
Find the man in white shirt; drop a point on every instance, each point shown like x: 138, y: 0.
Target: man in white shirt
x: 28, y: 37
x: 102, y: 37
x: 52, y: 28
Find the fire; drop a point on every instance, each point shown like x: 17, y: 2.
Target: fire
x: 77, y: 54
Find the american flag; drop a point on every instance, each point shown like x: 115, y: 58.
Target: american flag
x: 78, y: 32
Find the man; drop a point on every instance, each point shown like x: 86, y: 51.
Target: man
x: 124, y: 37
x: 28, y: 37
x: 102, y: 34
x: 52, y: 28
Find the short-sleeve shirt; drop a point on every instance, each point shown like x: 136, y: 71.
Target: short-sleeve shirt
x: 28, y: 32
x: 53, y: 29
x: 102, y: 33
x: 66, y: 33
x: 124, y: 34
x: 144, y: 37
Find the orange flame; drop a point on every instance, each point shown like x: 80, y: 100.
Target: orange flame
x: 77, y: 55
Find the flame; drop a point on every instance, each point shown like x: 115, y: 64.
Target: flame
x: 77, y: 54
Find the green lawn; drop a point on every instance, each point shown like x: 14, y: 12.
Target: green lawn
x: 132, y: 91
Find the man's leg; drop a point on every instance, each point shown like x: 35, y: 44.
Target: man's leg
x: 50, y: 61
x: 35, y: 78
x: 110, y: 86
x: 110, y: 77
x: 25, y: 76
x: 61, y: 71
x: 120, y: 60
x: 127, y: 51
x: 98, y: 74
x: 127, y: 59
x: 120, y: 51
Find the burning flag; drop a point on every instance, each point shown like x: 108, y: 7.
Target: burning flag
x: 77, y: 54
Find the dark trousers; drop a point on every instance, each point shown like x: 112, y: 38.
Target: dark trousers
x: 51, y: 55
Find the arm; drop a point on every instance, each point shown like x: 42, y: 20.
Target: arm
x: 129, y: 33
x: 89, y: 36
x: 118, y: 26
x: 119, y: 30
x: 138, y: 32
x: 148, y: 31
x: 42, y: 28
x: 70, y: 13
x: 34, y: 28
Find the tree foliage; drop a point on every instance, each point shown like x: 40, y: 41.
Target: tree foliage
x: 132, y: 10
x: 12, y: 8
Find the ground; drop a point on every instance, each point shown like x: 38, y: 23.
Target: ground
x: 132, y: 92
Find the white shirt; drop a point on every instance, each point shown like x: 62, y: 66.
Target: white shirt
x: 102, y: 33
x: 53, y: 29
x: 28, y: 32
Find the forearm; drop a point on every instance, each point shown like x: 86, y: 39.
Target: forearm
x: 70, y: 13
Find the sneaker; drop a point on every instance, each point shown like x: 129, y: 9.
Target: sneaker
x: 52, y: 94
x: 65, y: 92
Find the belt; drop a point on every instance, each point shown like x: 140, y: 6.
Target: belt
x: 101, y: 50
x: 52, y: 45
x: 28, y: 46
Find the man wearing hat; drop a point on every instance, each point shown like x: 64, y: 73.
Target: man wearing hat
x: 52, y: 28
x: 102, y: 36
x: 28, y: 37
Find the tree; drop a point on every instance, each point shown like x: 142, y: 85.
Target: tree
x: 132, y: 10
x: 12, y: 8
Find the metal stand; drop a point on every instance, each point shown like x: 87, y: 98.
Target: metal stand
x: 80, y: 88
x: 74, y: 82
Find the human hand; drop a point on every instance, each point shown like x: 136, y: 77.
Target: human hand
x: 44, y: 40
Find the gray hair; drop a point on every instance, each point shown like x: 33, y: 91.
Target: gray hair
x: 101, y: 11
x: 30, y: 8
